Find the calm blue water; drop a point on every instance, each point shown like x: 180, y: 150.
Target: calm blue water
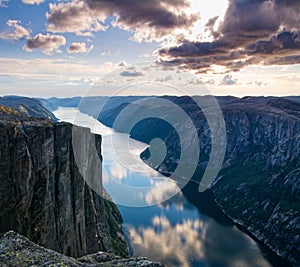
x: 164, y: 224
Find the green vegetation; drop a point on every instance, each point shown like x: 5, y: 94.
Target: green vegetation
x: 9, y: 111
x: 245, y: 190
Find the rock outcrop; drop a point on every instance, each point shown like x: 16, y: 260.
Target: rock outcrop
x: 44, y: 197
x: 16, y: 250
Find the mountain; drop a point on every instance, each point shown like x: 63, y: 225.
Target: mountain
x: 53, y: 103
x: 259, y: 183
x: 26, y: 107
x: 43, y: 195
x: 293, y: 98
x: 91, y: 105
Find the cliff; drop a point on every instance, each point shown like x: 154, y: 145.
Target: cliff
x: 42, y: 194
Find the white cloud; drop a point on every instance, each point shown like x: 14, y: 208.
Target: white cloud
x: 52, y: 69
x: 109, y: 53
x: 45, y: 77
x: 29, y: 2
x: 32, y: 2
x: 228, y: 80
x: 49, y: 44
x: 2, y: 3
x: 16, y: 31
x: 79, y: 48
x: 174, y: 243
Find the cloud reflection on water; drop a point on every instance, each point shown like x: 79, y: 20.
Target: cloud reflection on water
x: 193, y: 241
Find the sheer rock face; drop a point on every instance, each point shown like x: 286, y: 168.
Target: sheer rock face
x: 43, y: 195
x: 16, y: 250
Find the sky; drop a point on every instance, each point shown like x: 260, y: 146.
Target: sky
x: 99, y: 47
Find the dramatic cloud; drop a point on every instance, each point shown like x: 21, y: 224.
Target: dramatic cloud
x: 265, y: 32
x: 209, y: 26
x: 17, y: 32
x: 49, y: 44
x: 74, y: 17
x: 79, y: 48
x: 148, y: 19
x: 32, y: 2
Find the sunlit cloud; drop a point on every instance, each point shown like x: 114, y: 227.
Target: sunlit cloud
x: 179, y: 243
x: 74, y: 17
x: 174, y: 243
x: 48, y: 43
x: 16, y: 31
x: 148, y: 21
x: 251, y: 33
x: 50, y: 76
x: 32, y: 2
x: 80, y: 48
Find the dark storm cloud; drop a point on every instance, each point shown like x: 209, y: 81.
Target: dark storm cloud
x: 252, y: 32
x: 153, y: 13
x: 246, y: 17
x: 209, y: 26
x: 159, y: 16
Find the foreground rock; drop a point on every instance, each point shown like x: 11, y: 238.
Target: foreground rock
x: 16, y: 250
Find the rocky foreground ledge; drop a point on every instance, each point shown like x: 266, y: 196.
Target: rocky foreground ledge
x: 17, y: 250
